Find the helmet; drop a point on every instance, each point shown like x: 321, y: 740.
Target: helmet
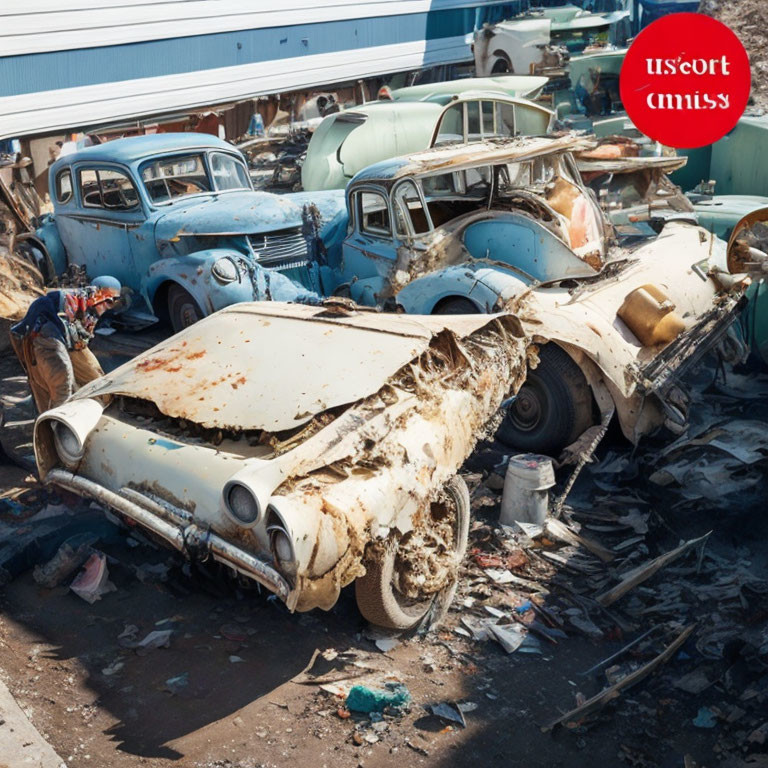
x: 108, y: 285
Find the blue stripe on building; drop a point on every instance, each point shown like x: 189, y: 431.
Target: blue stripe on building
x: 90, y: 66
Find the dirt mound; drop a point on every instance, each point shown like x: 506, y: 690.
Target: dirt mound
x: 20, y: 284
x: 749, y: 20
x: 20, y: 280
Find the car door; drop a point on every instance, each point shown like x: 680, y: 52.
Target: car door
x: 96, y: 230
x: 369, y: 254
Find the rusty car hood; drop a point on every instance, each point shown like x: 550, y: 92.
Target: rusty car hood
x: 229, y: 213
x: 273, y: 366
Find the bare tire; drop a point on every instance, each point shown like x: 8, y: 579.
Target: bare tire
x: 183, y: 310
x: 553, y: 407
x: 457, y: 306
x: 408, y: 583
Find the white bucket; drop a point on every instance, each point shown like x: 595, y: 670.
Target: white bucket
x: 526, y: 489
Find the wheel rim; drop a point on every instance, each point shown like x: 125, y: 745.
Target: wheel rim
x: 530, y: 408
x: 188, y: 314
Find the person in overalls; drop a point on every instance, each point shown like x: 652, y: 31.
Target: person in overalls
x: 52, y: 340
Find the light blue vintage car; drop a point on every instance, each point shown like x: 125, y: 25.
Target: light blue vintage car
x: 463, y: 228
x: 174, y: 217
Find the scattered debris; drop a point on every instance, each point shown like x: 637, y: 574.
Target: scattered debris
x: 450, y: 712
x: 361, y: 698
x: 706, y: 718
x: 158, y: 638
x: 385, y: 644
x: 644, y: 572
x: 113, y: 668
x: 69, y: 557
x: 510, y: 636
x: 601, y: 699
x: 93, y: 581
x: 177, y: 684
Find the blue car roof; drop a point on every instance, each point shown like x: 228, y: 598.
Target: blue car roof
x: 137, y: 147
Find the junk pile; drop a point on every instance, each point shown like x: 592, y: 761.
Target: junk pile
x: 20, y: 280
x: 23, y: 267
x: 632, y: 564
x: 275, y: 160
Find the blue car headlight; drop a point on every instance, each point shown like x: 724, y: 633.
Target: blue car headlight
x: 225, y: 270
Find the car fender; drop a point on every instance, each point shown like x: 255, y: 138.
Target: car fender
x: 48, y: 233
x: 485, y: 287
x: 194, y: 273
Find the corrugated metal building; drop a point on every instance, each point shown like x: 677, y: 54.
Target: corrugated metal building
x: 67, y: 63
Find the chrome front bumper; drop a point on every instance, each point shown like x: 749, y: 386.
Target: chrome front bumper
x: 176, y: 526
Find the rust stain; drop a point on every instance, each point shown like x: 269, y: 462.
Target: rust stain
x: 152, y: 364
x: 196, y: 355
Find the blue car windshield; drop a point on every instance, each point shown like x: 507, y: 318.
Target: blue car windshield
x: 169, y: 178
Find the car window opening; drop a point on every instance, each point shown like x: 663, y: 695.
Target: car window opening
x: 107, y: 188
x: 169, y: 178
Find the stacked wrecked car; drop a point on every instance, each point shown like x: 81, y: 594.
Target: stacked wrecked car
x: 308, y: 447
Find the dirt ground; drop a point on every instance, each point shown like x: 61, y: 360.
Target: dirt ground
x: 232, y: 688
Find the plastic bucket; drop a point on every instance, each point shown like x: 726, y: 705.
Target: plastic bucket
x: 526, y: 489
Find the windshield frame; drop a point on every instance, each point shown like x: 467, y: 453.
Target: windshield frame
x: 205, y: 153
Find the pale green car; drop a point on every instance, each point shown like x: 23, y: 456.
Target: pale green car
x: 346, y: 142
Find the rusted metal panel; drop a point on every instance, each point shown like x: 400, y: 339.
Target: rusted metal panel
x: 264, y: 366
x: 370, y: 470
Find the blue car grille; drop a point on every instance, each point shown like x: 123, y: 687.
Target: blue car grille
x: 286, y: 249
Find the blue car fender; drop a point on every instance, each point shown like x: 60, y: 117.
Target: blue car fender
x: 48, y: 233
x: 484, y: 287
x: 219, y: 277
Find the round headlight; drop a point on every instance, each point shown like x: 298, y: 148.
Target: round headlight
x: 225, y: 270
x: 67, y: 444
x: 242, y: 505
x: 282, y: 549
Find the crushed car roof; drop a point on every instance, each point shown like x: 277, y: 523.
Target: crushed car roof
x: 509, y: 85
x: 630, y: 164
x: 273, y: 366
x: 462, y: 156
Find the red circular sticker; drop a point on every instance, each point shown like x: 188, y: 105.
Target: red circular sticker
x: 685, y: 80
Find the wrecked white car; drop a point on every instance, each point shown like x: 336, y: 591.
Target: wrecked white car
x: 302, y: 448
x: 627, y: 286
x: 541, y: 41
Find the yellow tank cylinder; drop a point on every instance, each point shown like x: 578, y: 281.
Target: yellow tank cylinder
x: 650, y: 314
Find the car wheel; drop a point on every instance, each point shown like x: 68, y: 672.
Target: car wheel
x: 553, y: 407
x: 457, y: 306
x: 183, y: 310
x: 410, y: 580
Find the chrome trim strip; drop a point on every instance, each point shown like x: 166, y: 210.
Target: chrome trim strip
x: 173, y: 525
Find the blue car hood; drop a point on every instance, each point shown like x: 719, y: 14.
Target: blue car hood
x: 230, y: 213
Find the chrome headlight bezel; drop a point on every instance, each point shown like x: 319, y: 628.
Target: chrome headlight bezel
x: 281, y: 543
x: 225, y: 270
x: 234, y: 506
x: 68, y: 446
x: 281, y: 546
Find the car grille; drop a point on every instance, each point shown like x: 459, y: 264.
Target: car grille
x: 285, y: 249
